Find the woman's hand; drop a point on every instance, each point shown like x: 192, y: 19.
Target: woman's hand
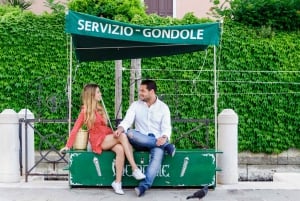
x: 64, y: 150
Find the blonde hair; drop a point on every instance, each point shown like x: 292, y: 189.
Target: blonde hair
x: 91, y: 105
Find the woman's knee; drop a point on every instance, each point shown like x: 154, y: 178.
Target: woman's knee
x: 123, y: 137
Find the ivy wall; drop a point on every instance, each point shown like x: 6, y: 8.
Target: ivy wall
x: 258, y: 77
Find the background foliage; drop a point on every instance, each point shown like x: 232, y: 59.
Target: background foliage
x: 111, y: 9
x: 275, y: 14
x: 258, y: 77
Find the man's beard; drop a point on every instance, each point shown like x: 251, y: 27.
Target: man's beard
x: 145, y: 99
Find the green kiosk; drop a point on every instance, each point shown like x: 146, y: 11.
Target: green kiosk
x: 99, y: 39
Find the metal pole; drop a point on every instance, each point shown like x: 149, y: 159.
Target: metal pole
x: 118, y: 90
x: 132, y: 81
x: 70, y: 88
x: 215, y: 98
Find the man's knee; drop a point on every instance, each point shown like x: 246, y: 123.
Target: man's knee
x: 130, y: 134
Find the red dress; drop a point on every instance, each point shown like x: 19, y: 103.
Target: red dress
x: 96, y: 134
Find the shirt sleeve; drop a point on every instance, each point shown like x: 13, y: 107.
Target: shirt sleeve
x: 166, y: 127
x: 129, y: 117
x: 78, y: 124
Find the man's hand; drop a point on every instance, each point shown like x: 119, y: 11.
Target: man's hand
x: 118, y: 132
x: 161, y: 140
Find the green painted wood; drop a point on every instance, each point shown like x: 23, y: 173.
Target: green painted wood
x: 187, y: 168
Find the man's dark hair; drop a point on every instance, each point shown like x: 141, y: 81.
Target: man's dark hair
x: 150, y: 84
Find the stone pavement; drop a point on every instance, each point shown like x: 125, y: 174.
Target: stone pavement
x: 40, y: 190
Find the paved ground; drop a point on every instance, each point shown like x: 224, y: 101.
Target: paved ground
x: 38, y: 190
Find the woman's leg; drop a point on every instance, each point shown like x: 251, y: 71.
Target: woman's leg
x: 136, y: 172
x: 111, y: 141
x: 120, y: 160
x: 128, y: 150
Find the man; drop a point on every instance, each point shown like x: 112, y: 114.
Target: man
x: 152, y: 130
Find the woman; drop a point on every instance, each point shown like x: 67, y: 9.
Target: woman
x: 101, y: 137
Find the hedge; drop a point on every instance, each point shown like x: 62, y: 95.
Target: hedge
x: 258, y: 77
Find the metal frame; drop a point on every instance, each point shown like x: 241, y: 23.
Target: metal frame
x: 43, y: 153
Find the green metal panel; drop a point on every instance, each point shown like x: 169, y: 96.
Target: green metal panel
x: 83, y: 168
x: 187, y: 168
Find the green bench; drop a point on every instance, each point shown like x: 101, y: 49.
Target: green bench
x: 187, y: 168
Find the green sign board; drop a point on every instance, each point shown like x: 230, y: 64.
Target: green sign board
x: 99, y: 39
x: 187, y: 168
x: 88, y: 25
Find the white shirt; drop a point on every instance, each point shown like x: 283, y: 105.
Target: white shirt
x: 155, y: 119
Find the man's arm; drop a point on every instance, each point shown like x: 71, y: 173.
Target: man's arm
x: 127, y: 121
x: 166, y: 126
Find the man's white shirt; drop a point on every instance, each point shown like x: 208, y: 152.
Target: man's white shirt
x: 155, y: 119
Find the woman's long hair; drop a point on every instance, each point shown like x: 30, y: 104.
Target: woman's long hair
x: 91, y: 105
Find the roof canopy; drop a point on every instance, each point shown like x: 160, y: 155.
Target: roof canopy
x: 98, y: 39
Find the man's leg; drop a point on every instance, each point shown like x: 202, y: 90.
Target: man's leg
x: 156, y: 158
x: 141, y: 141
